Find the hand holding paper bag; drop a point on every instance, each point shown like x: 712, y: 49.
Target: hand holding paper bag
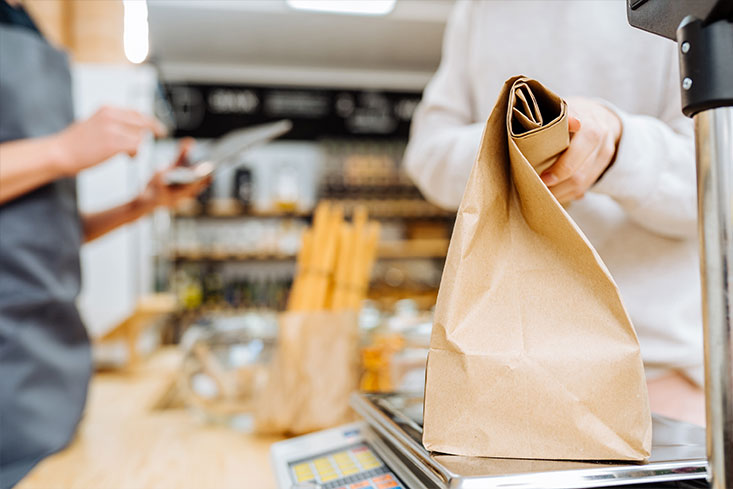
x: 532, y: 353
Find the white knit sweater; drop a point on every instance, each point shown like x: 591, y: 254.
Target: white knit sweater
x: 641, y: 216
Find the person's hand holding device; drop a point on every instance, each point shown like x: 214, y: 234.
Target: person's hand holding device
x: 595, y: 132
x: 33, y: 162
x: 160, y: 192
x: 224, y: 150
x: 110, y: 131
x: 113, y: 130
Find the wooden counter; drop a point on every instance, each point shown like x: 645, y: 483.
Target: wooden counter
x: 125, y: 441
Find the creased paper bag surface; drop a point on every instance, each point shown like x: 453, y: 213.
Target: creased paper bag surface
x: 314, y: 371
x: 532, y: 353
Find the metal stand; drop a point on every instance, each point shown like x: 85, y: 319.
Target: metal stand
x: 714, y: 144
x: 703, y: 30
x: 706, y: 78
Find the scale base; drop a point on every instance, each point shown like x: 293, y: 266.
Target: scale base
x: 395, y: 422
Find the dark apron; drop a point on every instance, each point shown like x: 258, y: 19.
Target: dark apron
x: 45, y: 360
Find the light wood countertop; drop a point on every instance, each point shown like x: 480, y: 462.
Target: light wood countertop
x: 124, y: 442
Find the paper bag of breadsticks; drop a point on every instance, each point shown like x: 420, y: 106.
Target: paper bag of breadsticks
x: 314, y: 372
x: 316, y: 364
x: 532, y: 353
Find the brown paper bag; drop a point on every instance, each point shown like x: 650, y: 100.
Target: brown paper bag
x: 314, y: 371
x: 532, y: 353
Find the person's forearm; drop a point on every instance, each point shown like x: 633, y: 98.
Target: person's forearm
x: 653, y: 176
x: 27, y: 164
x: 100, y: 223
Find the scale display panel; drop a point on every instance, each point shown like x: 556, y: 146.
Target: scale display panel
x: 354, y: 467
x: 339, y: 458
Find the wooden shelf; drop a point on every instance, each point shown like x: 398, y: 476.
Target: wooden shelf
x: 420, y: 248
x: 214, y: 255
x: 377, y: 208
x: 230, y: 208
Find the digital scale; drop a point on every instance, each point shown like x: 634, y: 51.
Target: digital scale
x: 385, y: 451
x: 332, y: 459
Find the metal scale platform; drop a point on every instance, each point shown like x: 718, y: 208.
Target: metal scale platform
x: 392, y: 433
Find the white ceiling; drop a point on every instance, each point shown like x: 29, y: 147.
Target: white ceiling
x: 220, y: 38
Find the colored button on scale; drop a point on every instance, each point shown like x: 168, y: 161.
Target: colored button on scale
x: 361, y: 485
x: 386, y: 485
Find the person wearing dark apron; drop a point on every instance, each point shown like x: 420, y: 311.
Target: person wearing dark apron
x: 45, y: 359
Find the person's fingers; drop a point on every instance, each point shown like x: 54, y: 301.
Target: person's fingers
x: 196, y: 187
x: 569, y: 189
x: 141, y: 122
x: 580, y: 149
x: 181, y: 192
x: 130, y: 141
x: 122, y: 139
x: 146, y: 122
x: 125, y: 141
x: 205, y: 182
x: 184, y: 147
x: 159, y: 131
x: 575, y: 187
x: 573, y: 124
x: 131, y: 152
x: 132, y: 147
x: 563, y: 197
x: 566, y: 191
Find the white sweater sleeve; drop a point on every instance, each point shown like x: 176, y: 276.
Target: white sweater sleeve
x: 653, y: 177
x: 444, y: 138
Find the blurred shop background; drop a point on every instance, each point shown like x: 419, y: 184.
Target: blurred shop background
x: 349, y: 81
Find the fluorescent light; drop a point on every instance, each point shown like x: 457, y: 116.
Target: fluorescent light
x: 135, y: 35
x: 355, y: 7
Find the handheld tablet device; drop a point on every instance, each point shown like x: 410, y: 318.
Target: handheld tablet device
x: 229, y: 146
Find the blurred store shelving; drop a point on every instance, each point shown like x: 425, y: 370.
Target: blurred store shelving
x: 233, y: 248
x: 350, y: 96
